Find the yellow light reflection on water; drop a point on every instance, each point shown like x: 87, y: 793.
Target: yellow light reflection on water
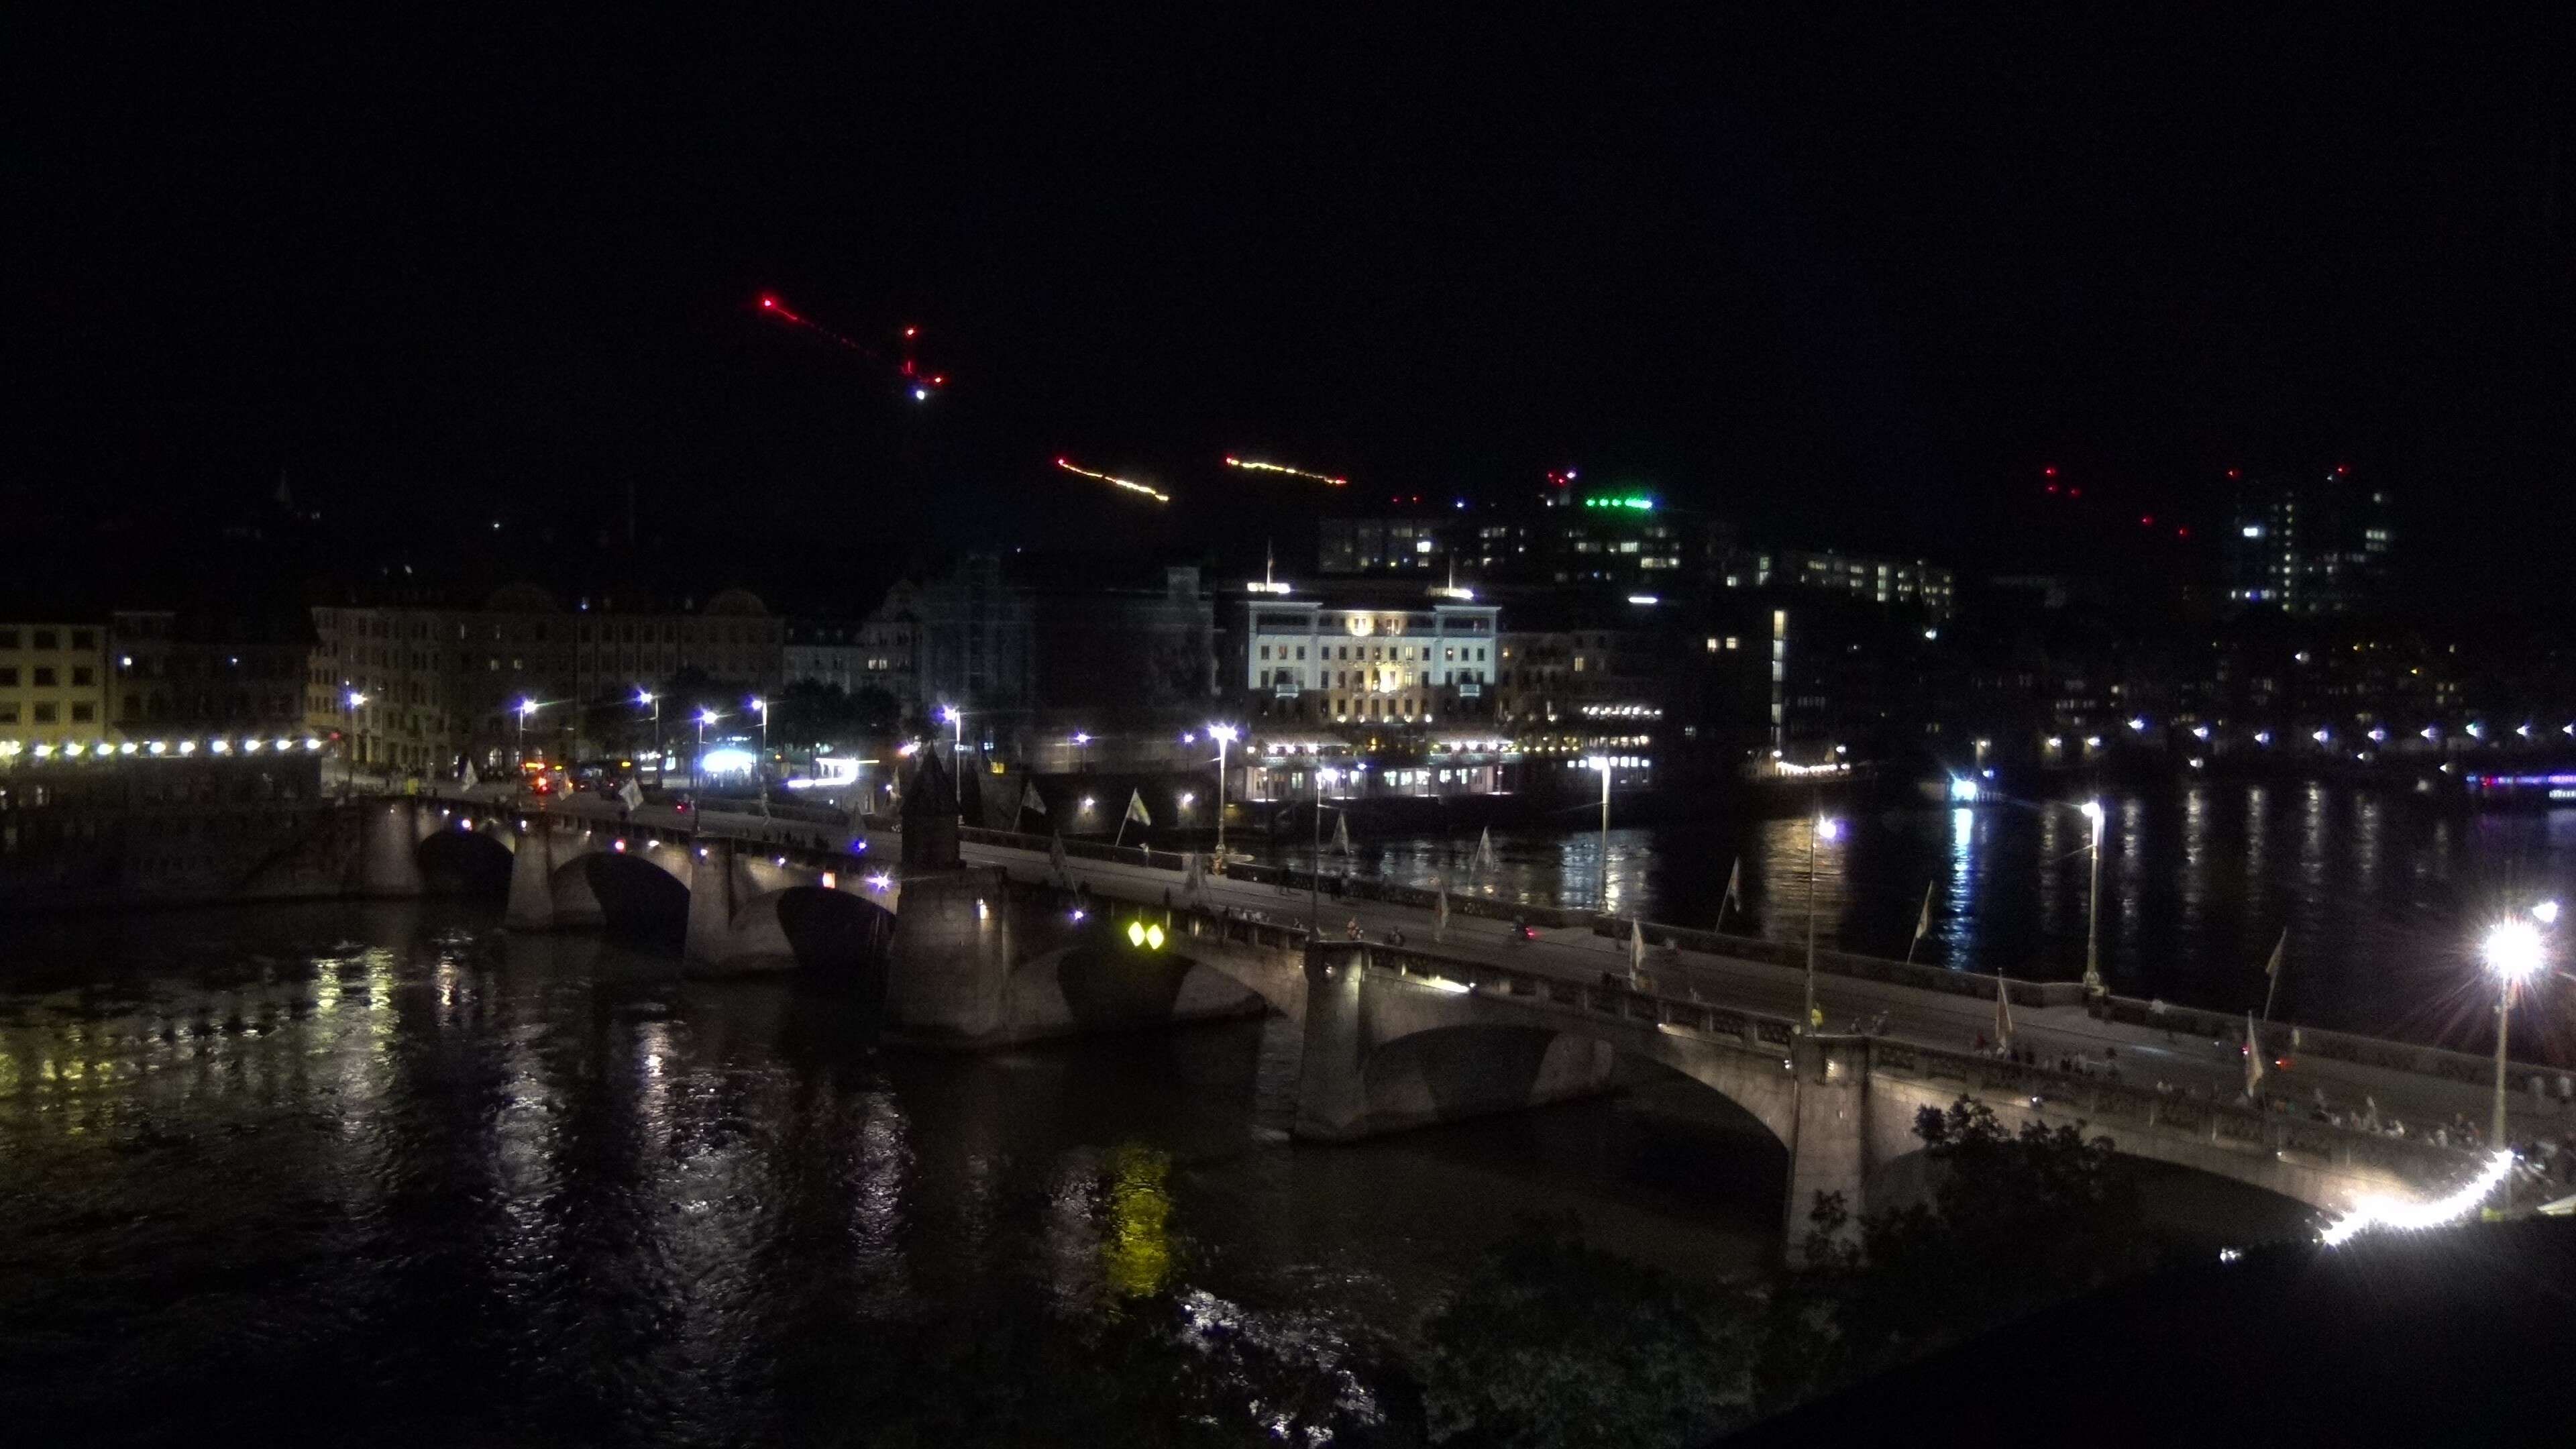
x: 1138, y: 1252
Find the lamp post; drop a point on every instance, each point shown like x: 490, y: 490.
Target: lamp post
x: 1602, y: 763
x: 1315, y: 871
x: 1819, y: 827
x: 1082, y: 748
x: 760, y: 775
x: 2513, y: 951
x: 1225, y: 735
x: 349, y: 763
x: 697, y: 777
x: 956, y: 721
x: 527, y: 709
x: 2093, y: 907
x: 647, y: 697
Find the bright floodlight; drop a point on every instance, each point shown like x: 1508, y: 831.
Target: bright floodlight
x: 527, y: 706
x: 2093, y: 811
x: 948, y: 714
x: 706, y: 716
x: 2138, y: 722
x: 1962, y: 788
x: 356, y: 699
x: 1225, y: 732
x: 643, y: 696
x: 2546, y: 913
x: 1829, y: 829
x: 2512, y: 949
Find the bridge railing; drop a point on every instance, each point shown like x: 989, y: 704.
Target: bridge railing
x: 1612, y: 999
x: 2108, y: 1105
x: 2285, y: 1039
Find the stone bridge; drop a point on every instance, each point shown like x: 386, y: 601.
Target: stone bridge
x: 1398, y: 1038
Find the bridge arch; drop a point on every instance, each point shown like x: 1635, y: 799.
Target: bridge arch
x: 453, y: 859
x: 632, y: 893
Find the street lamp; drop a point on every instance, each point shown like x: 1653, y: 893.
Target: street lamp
x: 1602, y: 763
x: 2513, y: 950
x: 2093, y: 907
x: 645, y: 696
x: 1082, y: 746
x: 349, y: 764
x: 697, y: 777
x: 1224, y: 735
x: 527, y: 709
x: 1819, y: 827
x: 760, y: 777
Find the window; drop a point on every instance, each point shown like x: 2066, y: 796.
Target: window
x: 83, y: 676
x: 9, y: 677
x: 45, y: 714
x: 46, y: 639
x: 9, y: 713
x: 84, y: 712
x: 8, y: 638
x: 45, y: 676
x: 1265, y: 651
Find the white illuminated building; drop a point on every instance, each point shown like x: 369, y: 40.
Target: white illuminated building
x: 1324, y: 663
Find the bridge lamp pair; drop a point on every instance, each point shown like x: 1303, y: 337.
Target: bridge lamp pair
x: 1145, y: 935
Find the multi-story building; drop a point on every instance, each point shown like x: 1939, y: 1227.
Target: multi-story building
x: 873, y: 654
x: 212, y: 672
x: 53, y: 687
x: 1893, y: 581
x: 2308, y: 548
x: 1625, y: 540
x: 1037, y: 648
x: 422, y: 687
x: 1388, y: 660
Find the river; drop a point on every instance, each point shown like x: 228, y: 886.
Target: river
x: 389, y: 1173
x: 2383, y: 898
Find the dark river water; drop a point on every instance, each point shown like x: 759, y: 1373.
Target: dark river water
x: 388, y: 1174
x: 2383, y: 897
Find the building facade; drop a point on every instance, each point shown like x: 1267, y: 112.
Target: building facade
x: 2320, y: 547
x: 1336, y: 663
x: 53, y: 687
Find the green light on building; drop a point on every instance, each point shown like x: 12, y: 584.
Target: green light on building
x: 1638, y: 501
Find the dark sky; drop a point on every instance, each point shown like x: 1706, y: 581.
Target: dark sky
x: 1853, y: 281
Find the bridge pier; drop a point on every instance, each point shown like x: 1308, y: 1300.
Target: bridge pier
x: 948, y: 974
x: 711, y: 901
x: 1332, y: 1096
x: 532, y: 885
x: 1829, y: 1148
x: 388, y: 863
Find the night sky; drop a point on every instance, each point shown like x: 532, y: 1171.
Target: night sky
x: 1853, y: 282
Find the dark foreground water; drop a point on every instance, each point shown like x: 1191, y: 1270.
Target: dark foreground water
x: 2383, y: 897
x: 389, y: 1175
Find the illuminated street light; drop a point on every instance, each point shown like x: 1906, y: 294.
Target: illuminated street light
x: 2200, y: 732
x: 648, y: 698
x: 526, y: 710
x: 2546, y: 913
x: 2093, y: 907
x: 1819, y: 827
x: 1224, y: 735
x: 2514, y: 951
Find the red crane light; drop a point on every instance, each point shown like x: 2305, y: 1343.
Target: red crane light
x: 2074, y: 492
x: 2146, y: 520
x: 2048, y: 472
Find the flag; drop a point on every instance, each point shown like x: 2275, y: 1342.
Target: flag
x: 1342, y: 832
x: 1136, y: 809
x: 1923, y: 922
x: 2003, y: 1014
x: 1440, y: 927
x: 1055, y: 857
x: 1029, y: 798
x: 630, y: 794
x: 2253, y: 1059
x: 469, y: 779
x: 1636, y: 944
x: 1484, y: 858
x: 1734, y: 888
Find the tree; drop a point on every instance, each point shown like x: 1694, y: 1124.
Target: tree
x: 1555, y: 1343
x: 2016, y: 1222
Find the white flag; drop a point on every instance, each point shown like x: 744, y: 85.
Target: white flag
x: 2272, y: 968
x: 1484, y: 859
x: 2253, y: 1059
x: 2003, y: 1014
x: 1136, y: 809
x: 1342, y: 832
x: 630, y: 794
x: 1636, y: 944
x: 1923, y: 922
x: 470, y: 779
x: 1029, y: 798
x: 1440, y: 927
x: 1734, y: 886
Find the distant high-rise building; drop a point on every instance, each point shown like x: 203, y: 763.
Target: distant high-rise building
x: 2317, y: 547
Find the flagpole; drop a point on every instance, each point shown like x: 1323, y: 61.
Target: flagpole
x: 1922, y: 923
x: 2274, y: 971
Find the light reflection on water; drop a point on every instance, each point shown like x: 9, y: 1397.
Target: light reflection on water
x: 349, y: 1167
x: 2379, y: 893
